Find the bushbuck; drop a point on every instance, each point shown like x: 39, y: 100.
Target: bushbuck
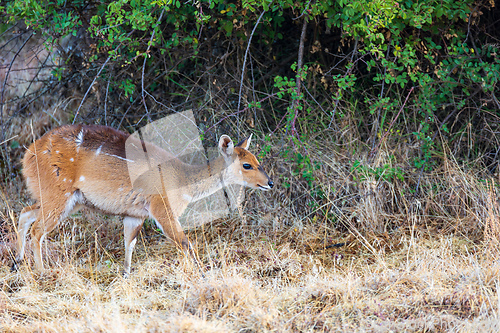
x: 76, y: 166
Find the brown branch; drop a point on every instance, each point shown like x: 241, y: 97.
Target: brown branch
x: 245, y: 63
x: 300, y: 60
x: 2, y: 101
x: 349, y: 70
x: 375, y: 149
x: 97, y: 75
x: 144, y: 64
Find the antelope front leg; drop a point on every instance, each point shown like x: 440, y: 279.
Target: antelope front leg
x: 131, y: 228
x: 26, y: 218
x: 172, y: 228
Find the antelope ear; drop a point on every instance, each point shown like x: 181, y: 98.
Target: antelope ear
x: 226, y: 146
x: 245, y: 143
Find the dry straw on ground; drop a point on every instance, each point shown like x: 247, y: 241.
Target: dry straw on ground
x: 411, y: 262
x: 428, y: 264
x: 427, y: 285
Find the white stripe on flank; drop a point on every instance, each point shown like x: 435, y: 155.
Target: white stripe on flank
x: 121, y: 158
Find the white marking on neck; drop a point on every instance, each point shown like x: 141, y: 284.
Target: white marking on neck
x: 98, y: 151
x: 79, y: 138
x: 72, y: 159
x: 82, y: 178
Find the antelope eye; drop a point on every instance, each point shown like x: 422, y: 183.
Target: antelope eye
x: 247, y: 166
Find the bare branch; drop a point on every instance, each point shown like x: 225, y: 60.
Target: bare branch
x: 144, y: 65
x: 245, y: 63
x: 349, y: 70
x: 12, y: 138
x: 300, y: 60
x: 95, y: 78
x: 375, y: 149
x: 2, y: 101
x: 106, y: 105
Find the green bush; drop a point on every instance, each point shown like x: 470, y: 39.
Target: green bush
x: 411, y: 70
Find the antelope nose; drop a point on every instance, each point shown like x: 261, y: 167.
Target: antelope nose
x: 270, y: 183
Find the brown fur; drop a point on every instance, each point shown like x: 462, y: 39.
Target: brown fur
x: 76, y: 165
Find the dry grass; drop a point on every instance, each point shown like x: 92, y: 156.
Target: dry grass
x: 255, y: 280
x: 417, y: 263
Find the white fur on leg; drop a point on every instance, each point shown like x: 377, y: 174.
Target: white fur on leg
x: 130, y: 225
x: 25, y: 221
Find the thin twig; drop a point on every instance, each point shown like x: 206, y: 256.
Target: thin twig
x: 11, y: 39
x: 347, y: 73
x: 39, y: 69
x: 495, y: 100
x: 144, y: 64
x: 276, y: 68
x: 2, y: 101
x: 6, y: 32
x: 374, y: 150
x: 238, y: 112
x: 377, y: 122
x: 5, y: 141
x: 306, y: 7
x: 315, y: 101
x: 95, y: 78
x: 300, y: 60
x: 106, y: 104
x: 18, y: 111
x: 90, y: 87
x: 244, y: 65
x: 126, y: 111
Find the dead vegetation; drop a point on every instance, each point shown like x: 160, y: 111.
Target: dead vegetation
x: 440, y: 284
x: 425, y: 263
